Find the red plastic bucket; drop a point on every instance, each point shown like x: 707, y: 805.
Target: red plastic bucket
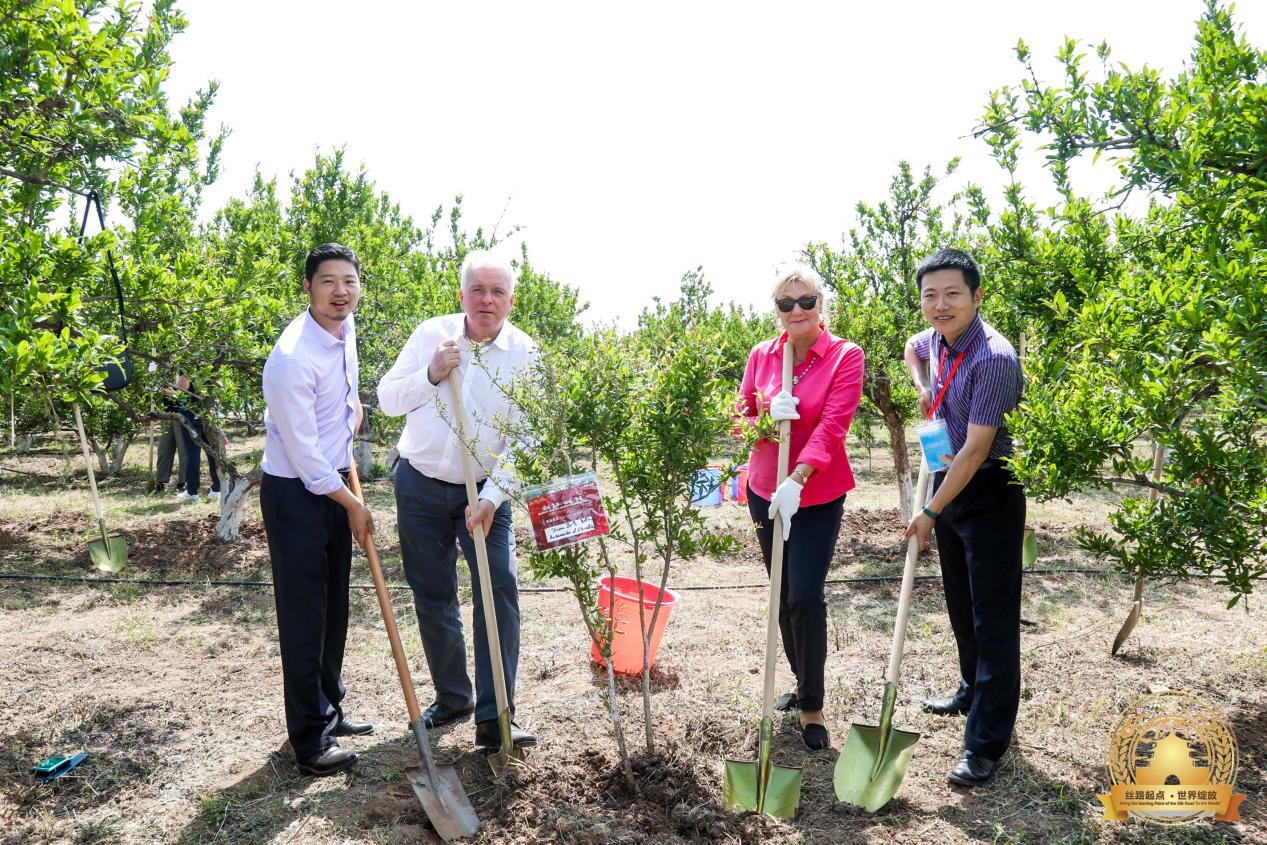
x: 626, y: 641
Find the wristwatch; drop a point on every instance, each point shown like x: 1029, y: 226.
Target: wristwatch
x: 931, y: 514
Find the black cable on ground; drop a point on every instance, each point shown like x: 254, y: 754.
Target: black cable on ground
x: 192, y: 582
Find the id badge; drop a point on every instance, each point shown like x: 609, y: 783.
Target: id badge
x: 934, y: 441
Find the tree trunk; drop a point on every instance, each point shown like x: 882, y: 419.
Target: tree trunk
x: 363, y: 454
x: 233, y: 495
x: 878, y: 393
x: 117, y: 453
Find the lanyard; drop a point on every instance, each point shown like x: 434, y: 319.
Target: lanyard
x: 950, y: 377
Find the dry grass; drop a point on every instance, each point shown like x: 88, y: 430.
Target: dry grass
x: 175, y: 692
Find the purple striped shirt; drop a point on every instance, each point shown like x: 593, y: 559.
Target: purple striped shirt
x: 987, y: 385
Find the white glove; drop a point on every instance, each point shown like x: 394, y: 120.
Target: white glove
x: 786, y: 502
x: 783, y: 406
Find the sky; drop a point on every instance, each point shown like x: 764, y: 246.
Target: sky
x: 635, y: 142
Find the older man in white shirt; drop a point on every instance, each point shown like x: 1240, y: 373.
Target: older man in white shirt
x: 310, y: 515
x: 430, y: 494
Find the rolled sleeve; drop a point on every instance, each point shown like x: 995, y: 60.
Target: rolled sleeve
x: 290, y: 392
x: 996, y: 390
x: 842, y: 401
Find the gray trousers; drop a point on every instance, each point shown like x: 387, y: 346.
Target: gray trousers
x: 431, y: 520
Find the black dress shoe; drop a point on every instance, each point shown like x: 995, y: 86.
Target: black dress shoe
x: 815, y: 736
x: 346, y: 728
x: 437, y: 715
x: 972, y: 770
x: 949, y: 706
x: 333, y: 759
x: 489, y: 735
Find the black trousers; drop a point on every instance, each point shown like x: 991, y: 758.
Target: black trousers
x: 807, y: 555
x: 310, y: 543
x: 979, y: 540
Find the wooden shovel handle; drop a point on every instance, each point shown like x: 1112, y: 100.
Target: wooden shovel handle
x: 92, y: 478
x: 908, y: 571
x: 776, y: 552
x: 389, y: 616
x: 481, y: 546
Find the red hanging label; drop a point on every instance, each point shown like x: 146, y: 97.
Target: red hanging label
x: 566, y: 511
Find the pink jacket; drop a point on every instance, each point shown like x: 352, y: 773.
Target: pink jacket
x: 829, y: 387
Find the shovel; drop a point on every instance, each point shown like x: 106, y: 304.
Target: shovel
x: 763, y: 786
x: 109, y: 554
x: 873, y: 760
x: 508, y: 752
x: 437, y: 786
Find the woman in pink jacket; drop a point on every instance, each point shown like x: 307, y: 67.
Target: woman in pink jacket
x: 827, y: 385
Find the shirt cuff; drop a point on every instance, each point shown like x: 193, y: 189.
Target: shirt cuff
x: 325, y: 484
x: 493, y: 494
x: 816, y: 458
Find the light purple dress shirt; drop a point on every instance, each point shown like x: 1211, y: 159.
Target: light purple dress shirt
x: 310, y: 388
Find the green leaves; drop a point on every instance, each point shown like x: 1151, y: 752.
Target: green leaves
x: 1150, y: 327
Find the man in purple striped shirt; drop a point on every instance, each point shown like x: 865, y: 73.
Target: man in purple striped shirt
x: 977, y: 509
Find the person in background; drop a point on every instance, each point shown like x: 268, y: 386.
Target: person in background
x: 827, y: 375
x: 310, y: 515
x: 977, y: 509
x: 190, y: 405
x: 168, y: 451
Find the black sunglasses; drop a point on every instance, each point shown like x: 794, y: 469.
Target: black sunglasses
x: 787, y: 303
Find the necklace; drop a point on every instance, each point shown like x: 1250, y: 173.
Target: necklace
x: 797, y: 379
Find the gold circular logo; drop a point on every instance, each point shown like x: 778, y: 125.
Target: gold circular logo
x: 1169, y: 755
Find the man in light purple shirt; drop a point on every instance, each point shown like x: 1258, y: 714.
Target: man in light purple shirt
x: 977, y: 509
x: 310, y: 515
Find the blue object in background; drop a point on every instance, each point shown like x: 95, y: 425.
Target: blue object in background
x: 706, y: 487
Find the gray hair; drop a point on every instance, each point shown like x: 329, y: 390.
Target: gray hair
x: 486, y: 259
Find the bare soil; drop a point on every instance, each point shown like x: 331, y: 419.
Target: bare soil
x: 175, y: 692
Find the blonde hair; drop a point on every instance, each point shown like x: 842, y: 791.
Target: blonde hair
x: 806, y: 275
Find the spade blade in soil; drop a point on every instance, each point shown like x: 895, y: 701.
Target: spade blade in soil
x: 444, y: 800
x: 762, y: 787
x: 110, y: 558
x: 874, y: 758
x: 507, y: 754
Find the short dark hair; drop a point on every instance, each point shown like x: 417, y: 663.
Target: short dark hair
x: 948, y: 258
x: 329, y: 252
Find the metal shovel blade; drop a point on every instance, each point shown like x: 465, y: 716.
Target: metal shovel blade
x: 762, y: 787
x: 507, y: 754
x: 112, y: 558
x: 445, y: 801
x: 442, y: 795
x: 873, y: 760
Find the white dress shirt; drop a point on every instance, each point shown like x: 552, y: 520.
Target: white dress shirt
x: 310, y: 388
x: 429, y: 442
